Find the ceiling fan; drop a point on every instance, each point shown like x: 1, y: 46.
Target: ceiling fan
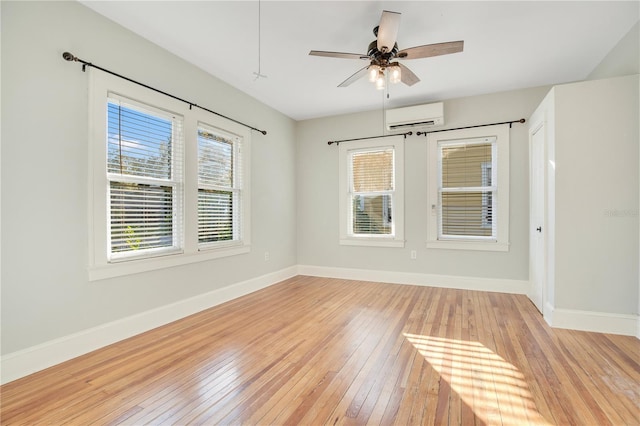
x: 383, y: 52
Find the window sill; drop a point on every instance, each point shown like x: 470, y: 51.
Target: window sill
x: 469, y: 245
x: 122, y: 268
x: 371, y: 242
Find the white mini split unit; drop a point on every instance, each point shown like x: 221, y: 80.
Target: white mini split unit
x: 417, y: 116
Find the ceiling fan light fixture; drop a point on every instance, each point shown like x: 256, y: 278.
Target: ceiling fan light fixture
x: 373, y: 73
x: 395, y: 74
x: 380, y: 82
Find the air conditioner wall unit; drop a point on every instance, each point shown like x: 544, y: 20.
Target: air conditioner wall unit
x: 417, y: 116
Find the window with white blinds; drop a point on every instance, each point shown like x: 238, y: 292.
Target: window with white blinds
x: 166, y: 189
x: 144, y: 171
x: 219, y: 187
x: 372, y: 191
x: 468, y: 188
x: 372, y: 200
x: 466, y: 194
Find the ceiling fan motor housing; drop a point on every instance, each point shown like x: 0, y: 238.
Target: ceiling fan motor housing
x: 379, y: 58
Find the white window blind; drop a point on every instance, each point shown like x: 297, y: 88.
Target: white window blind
x: 219, y: 187
x: 372, y: 191
x: 144, y: 173
x: 467, y: 195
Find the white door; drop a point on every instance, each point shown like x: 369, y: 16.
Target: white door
x: 537, y: 265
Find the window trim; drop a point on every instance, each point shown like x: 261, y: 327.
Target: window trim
x: 396, y: 239
x: 99, y: 265
x: 501, y: 215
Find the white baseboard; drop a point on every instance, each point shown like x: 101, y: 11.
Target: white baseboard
x: 431, y: 280
x: 548, y: 313
x: 27, y: 361
x: 599, y: 322
x: 628, y: 325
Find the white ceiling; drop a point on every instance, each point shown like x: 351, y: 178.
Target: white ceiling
x: 508, y: 45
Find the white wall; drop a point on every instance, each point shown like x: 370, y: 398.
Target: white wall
x: 591, y: 218
x: 45, y: 290
x: 596, y: 195
x: 317, y: 190
x: 623, y: 59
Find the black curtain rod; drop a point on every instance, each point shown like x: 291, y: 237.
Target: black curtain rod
x: 510, y: 123
x: 70, y: 57
x: 370, y: 137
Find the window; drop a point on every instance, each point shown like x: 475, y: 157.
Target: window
x: 145, y: 181
x: 219, y: 190
x: 371, y: 192
x: 465, y: 194
x: 468, y: 188
x: 169, y: 185
x: 372, y: 195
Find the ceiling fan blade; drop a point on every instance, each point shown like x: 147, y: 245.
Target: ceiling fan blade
x: 388, y: 30
x: 358, y: 75
x: 429, y: 50
x: 407, y: 76
x: 338, y: 54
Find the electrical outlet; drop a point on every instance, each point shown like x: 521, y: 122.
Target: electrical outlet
x: 266, y: 256
x: 414, y: 255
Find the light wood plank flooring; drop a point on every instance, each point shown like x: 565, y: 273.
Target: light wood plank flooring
x: 326, y: 351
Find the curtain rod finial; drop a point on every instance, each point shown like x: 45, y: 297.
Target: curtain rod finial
x: 69, y: 57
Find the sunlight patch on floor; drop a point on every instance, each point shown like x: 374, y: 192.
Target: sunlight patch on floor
x: 494, y: 389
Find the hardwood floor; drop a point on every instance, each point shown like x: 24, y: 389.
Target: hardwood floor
x: 326, y: 351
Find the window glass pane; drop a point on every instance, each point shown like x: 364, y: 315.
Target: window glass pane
x: 218, y: 190
x: 215, y: 159
x: 372, y: 214
x: 215, y: 216
x: 141, y: 216
x: 138, y: 142
x: 467, y: 213
x: 372, y: 171
x: 462, y: 165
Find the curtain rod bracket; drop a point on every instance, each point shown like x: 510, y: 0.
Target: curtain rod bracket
x: 67, y: 56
